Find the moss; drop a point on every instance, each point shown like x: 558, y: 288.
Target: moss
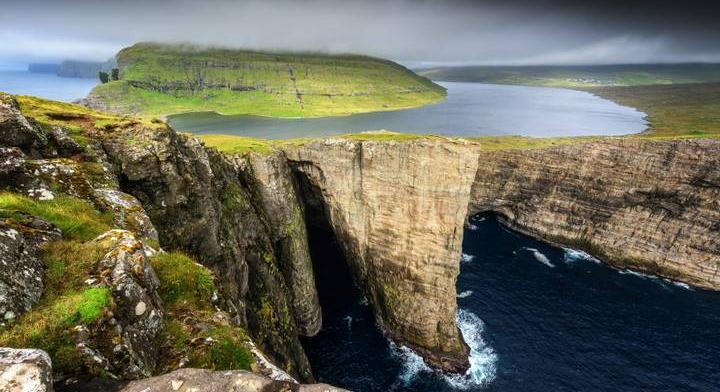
x: 184, y: 283
x: 233, y: 198
x: 77, y: 219
x: 94, y: 302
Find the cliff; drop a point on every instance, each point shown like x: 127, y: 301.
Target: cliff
x: 652, y: 206
x: 397, y: 209
x: 116, y: 189
x: 162, y: 79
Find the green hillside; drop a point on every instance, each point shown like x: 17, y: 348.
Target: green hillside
x: 157, y: 80
x: 579, y: 76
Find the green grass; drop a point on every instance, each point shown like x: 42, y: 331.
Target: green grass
x: 185, y: 284
x: 160, y: 80
x: 77, y: 219
x: 580, y: 76
x: 689, y: 110
x: 186, y: 290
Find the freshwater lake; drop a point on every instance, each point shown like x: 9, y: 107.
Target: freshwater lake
x: 471, y: 109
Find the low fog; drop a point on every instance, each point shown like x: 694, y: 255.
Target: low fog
x: 414, y: 32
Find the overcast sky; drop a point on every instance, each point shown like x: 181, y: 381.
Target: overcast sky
x: 414, y: 32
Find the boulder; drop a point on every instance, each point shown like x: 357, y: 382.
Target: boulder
x: 21, y: 268
x: 25, y: 370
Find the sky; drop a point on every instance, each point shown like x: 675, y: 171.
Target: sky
x: 414, y: 32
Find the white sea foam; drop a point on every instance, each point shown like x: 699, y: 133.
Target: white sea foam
x: 349, y: 321
x: 466, y: 258
x: 638, y: 274
x: 681, y: 285
x: 572, y: 255
x: 483, y: 360
x: 472, y: 227
x: 364, y: 301
x: 465, y: 294
x: 539, y: 256
x: 412, y: 364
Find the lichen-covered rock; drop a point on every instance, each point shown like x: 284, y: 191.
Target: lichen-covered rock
x: 21, y: 268
x: 397, y: 209
x: 25, y: 370
x: 123, y: 342
x: 15, y: 129
x: 647, y: 205
x: 199, y: 380
x: 128, y: 212
x: 275, y: 184
x: 200, y: 202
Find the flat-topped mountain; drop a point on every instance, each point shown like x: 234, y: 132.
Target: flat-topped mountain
x: 159, y: 79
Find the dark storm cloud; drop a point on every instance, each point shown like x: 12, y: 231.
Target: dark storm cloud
x: 480, y: 32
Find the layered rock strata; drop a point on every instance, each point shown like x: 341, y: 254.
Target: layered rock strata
x: 397, y: 209
x: 648, y: 205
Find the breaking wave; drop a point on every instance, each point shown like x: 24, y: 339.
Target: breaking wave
x: 572, y: 255
x: 483, y: 360
x: 466, y: 258
x: 465, y: 294
x: 539, y: 256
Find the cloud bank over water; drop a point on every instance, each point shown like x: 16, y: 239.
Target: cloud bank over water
x: 416, y: 32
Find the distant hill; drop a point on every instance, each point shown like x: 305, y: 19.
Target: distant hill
x: 579, y: 76
x: 159, y: 79
x: 44, y: 68
x: 80, y: 69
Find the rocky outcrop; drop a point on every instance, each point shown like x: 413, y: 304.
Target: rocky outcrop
x: 21, y: 268
x: 200, y: 201
x: 122, y: 344
x: 648, y: 205
x: 277, y: 194
x: 25, y: 370
x: 397, y: 209
x: 195, y: 380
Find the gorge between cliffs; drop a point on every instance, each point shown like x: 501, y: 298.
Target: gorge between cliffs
x: 397, y: 211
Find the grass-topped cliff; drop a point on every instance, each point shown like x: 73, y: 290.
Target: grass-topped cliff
x: 158, y: 80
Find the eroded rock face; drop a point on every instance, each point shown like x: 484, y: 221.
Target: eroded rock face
x: 25, y: 370
x: 277, y: 195
x: 648, y: 205
x: 199, y: 201
x: 21, y: 268
x: 397, y: 209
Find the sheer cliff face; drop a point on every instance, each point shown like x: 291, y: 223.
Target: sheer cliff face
x: 647, y: 205
x: 397, y: 209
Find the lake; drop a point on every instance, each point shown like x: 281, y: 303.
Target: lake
x: 471, y: 109
x: 45, y: 85
x: 537, y: 318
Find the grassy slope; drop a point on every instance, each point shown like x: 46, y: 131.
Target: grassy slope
x: 162, y: 80
x: 580, y: 76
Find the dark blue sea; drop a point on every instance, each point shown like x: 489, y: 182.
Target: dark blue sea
x: 538, y: 318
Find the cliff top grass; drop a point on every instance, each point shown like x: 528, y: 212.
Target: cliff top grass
x: 77, y: 219
x: 76, y: 119
x: 160, y: 80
